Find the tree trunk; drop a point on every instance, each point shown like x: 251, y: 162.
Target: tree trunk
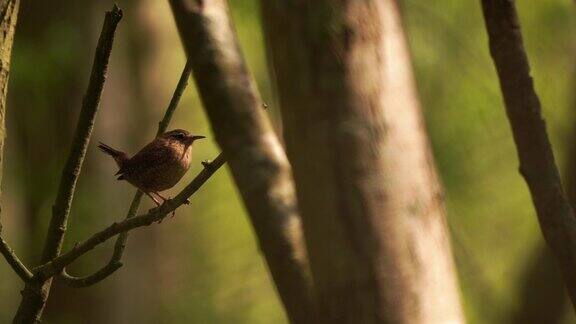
x: 7, y: 26
x: 9, y: 15
x: 257, y: 161
x: 368, y: 192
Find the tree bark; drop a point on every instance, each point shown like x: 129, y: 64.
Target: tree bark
x: 258, y: 163
x: 8, y: 18
x: 9, y: 12
x: 543, y: 297
x: 537, y: 164
x: 370, y: 198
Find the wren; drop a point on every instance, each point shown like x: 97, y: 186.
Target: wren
x: 157, y: 166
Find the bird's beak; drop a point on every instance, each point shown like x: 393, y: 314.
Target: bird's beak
x: 192, y: 138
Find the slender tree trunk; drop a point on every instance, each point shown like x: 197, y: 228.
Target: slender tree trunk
x: 9, y: 15
x: 257, y: 160
x: 524, y: 111
x: 369, y: 195
x: 543, y: 293
x: 8, y: 18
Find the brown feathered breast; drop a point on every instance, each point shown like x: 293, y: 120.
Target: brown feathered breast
x: 157, y: 167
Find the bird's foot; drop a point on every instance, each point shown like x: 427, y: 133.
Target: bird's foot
x: 186, y: 201
x: 173, y: 213
x: 164, y: 202
x: 207, y: 164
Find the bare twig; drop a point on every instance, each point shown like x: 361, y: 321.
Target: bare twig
x: 56, y: 265
x: 35, y: 294
x: 180, y: 87
x: 257, y: 160
x: 13, y: 260
x: 114, y: 262
x: 90, y: 103
x: 92, y: 279
x: 535, y: 154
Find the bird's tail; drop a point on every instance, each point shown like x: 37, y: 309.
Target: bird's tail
x: 119, y: 156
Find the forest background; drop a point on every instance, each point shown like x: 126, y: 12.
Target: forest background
x: 203, y: 266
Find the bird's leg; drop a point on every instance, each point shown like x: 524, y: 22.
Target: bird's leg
x: 187, y: 202
x: 207, y: 164
x: 153, y: 198
x: 149, y: 194
x: 164, y: 201
x: 158, y: 204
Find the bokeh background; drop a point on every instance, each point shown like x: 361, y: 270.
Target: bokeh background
x: 203, y: 266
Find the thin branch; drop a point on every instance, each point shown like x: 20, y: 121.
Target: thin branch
x: 56, y: 265
x: 96, y: 277
x: 36, y: 292
x: 535, y: 154
x: 90, y: 103
x: 180, y: 87
x: 114, y: 262
x: 13, y: 259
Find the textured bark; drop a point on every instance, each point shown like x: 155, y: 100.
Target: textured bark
x: 9, y: 15
x: 537, y: 164
x: 257, y: 161
x: 544, y: 298
x: 369, y: 195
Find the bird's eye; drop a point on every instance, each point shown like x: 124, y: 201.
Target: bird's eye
x: 179, y: 136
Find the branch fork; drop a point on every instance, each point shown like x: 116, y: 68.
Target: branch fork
x: 38, y: 280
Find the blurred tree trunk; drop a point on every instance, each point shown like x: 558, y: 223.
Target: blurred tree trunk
x: 257, y: 161
x: 9, y: 10
x: 9, y: 15
x: 370, y: 198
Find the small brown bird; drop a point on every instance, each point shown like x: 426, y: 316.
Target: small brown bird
x: 159, y: 165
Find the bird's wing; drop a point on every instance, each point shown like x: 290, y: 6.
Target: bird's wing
x: 152, y: 155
